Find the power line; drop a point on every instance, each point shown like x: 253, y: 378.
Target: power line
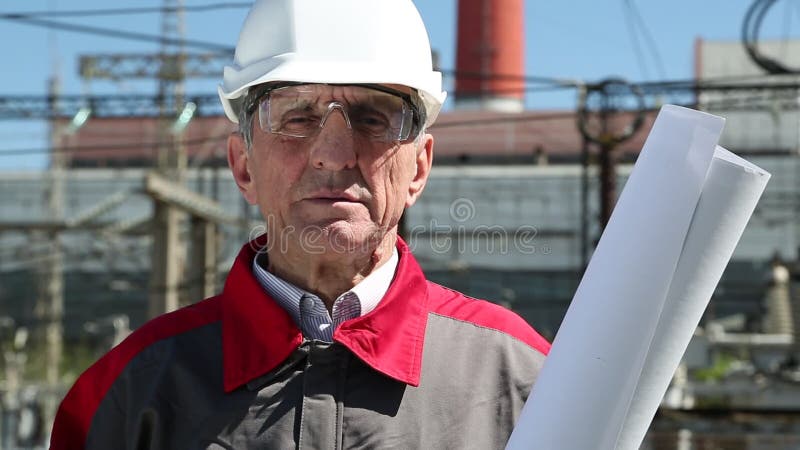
x: 787, y: 25
x: 654, y: 51
x: 720, y: 84
x: 572, y: 114
x: 103, y: 105
x: 507, y: 119
x: 637, y: 48
x: 124, y: 11
x: 102, y: 148
x: 119, y: 34
x: 565, y: 82
x: 751, y: 28
x: 553, y: 83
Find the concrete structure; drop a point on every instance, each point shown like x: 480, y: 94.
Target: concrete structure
x: 771, y: 123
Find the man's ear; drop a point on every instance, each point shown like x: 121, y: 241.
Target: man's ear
x: 424, y: 159
x: 239, y: 162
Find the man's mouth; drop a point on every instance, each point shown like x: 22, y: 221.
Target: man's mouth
x: 334, y: 196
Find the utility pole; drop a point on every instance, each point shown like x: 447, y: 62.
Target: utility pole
x: 50, y: 305
x: 595, y: 125
x: 12, y: 344
x: 171, y: 66
x: 203, y: 277
x: 608, y: 165
x: 168, y: 254
x: 584, y: 204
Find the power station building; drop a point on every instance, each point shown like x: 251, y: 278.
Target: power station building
x: 504, y: 217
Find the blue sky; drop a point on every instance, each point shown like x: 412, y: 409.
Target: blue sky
x: 580, y: 39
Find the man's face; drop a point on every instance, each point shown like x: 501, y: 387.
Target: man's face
x: 335, y: 191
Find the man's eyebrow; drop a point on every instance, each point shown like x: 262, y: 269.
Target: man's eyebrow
x: 375, y: 100
x: 302, y: 104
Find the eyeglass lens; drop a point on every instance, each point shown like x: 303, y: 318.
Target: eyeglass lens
x: 302, y: 110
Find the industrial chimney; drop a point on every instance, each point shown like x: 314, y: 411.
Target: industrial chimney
x: 490, y: 56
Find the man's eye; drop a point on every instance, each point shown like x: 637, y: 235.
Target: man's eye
x: 299, y: 120
x: 370, y: 119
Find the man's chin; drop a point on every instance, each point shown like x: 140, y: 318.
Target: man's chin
x: 340, y: 237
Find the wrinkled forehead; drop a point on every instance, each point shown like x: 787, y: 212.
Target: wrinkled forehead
x: 348, y: 94
x: 330, y: 91
x: 346, y: 88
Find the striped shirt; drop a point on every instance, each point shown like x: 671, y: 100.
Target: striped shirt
x: 308, y: 310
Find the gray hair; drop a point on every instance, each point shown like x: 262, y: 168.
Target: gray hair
x: 249, y: 104
x: 247, y: 113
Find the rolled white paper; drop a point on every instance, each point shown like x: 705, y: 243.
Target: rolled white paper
x: 583, y: 392
x: 729, y: 197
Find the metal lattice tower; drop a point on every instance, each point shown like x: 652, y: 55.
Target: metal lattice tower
x: 168, y: 252
x: 171, y: 76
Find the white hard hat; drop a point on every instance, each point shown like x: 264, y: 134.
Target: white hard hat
x: 337, y: 42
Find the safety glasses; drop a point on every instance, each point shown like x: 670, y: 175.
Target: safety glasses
x: 374, y: 112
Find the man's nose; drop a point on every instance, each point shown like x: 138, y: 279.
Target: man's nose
x: 334, y: 147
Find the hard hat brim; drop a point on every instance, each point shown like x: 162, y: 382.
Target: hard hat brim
x: 286, y: 68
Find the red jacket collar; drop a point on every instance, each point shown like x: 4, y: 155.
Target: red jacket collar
x: 257, y: 334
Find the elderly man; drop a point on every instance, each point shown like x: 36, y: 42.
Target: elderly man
x: 327, y: 334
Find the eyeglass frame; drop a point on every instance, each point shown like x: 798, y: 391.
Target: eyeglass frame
x: 412, y: 100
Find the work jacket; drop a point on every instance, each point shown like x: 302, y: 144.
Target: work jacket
x: 429, y: 368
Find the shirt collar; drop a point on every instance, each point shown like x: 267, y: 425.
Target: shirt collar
x: 369, y: 291
x: 389, y: 338
x: 286, y: 294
